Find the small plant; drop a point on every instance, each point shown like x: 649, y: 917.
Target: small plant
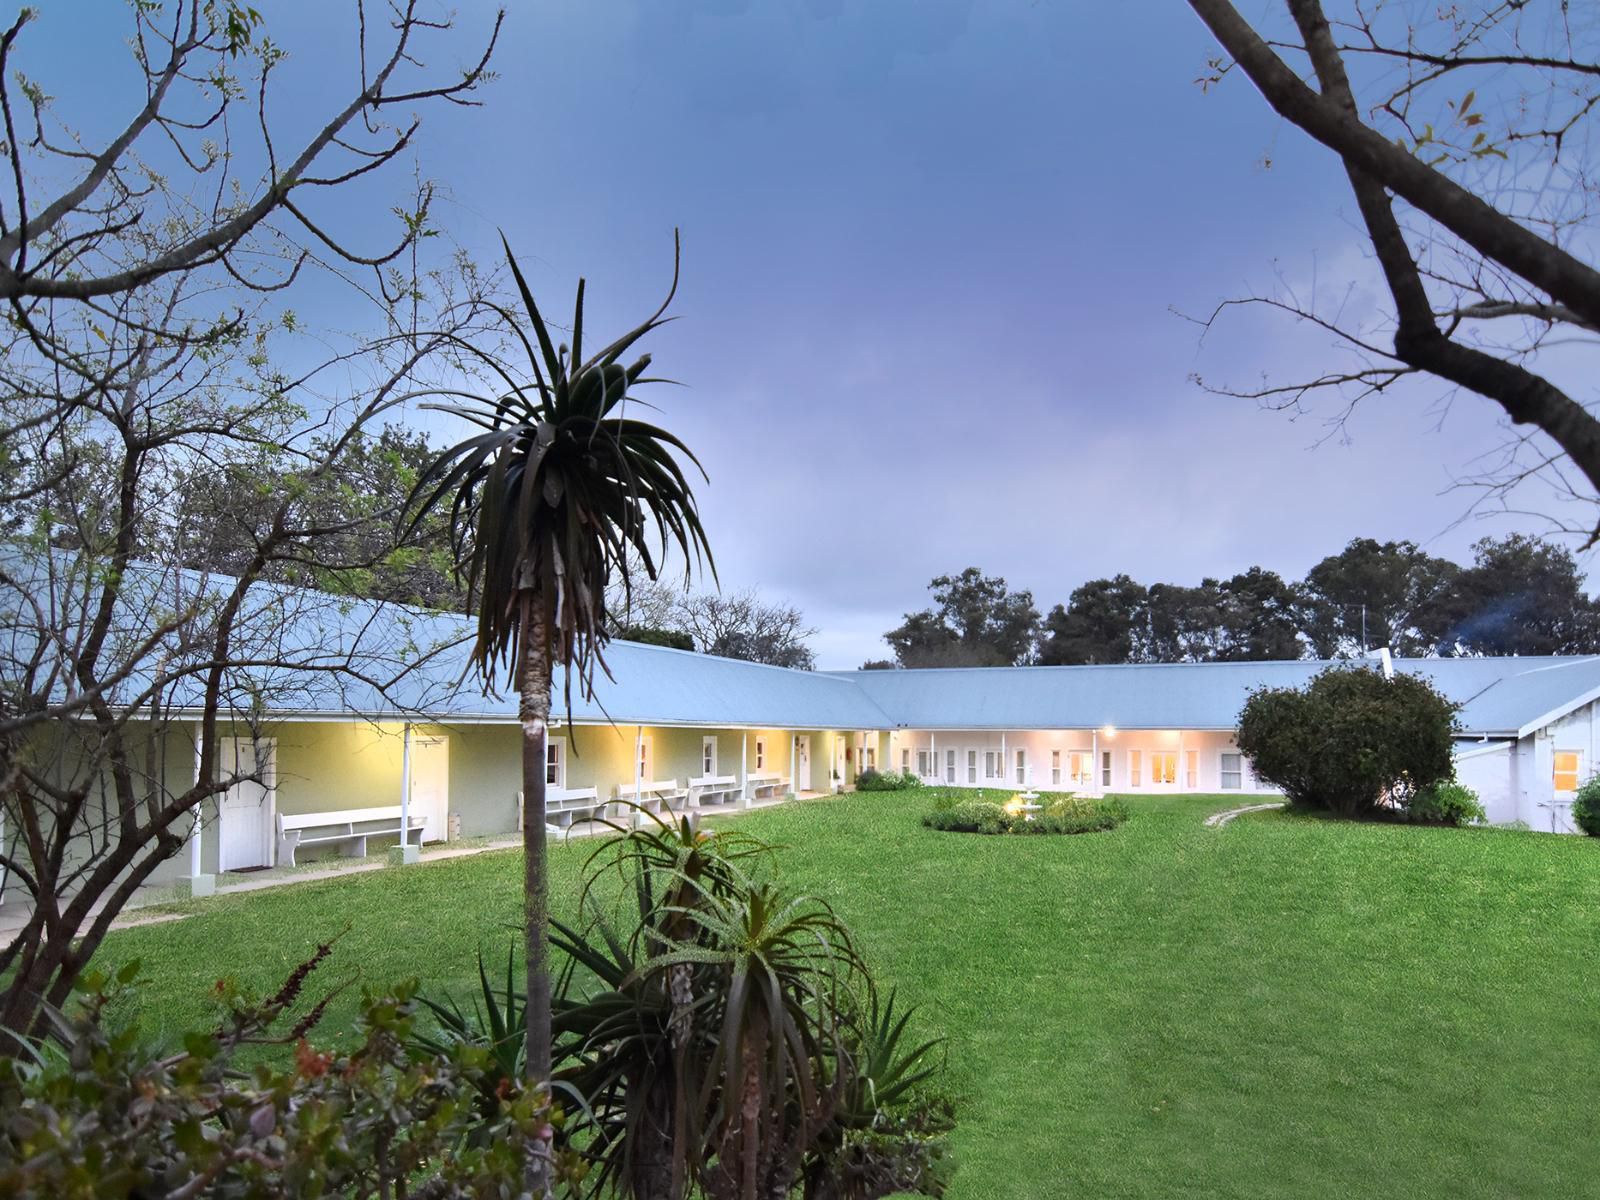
x: 1447, y: 803
x: 872, y: 780
x: 1586, y: 807
x: 1065, y: 815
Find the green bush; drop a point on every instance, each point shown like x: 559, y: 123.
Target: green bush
x: 1447, y: 803
x: 1350, y: 739
x: 879, y: 781
x: 1064, y: 815
x: 1586, y: 807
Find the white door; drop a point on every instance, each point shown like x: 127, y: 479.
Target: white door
x: 802, y: 764
x: 838, y: 761
x: 245, y: 812
x: 430, y: 786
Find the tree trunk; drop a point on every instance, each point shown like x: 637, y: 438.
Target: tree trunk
x: 534, y: 711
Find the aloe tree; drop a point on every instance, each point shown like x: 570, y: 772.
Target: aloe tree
x: 547, y: 504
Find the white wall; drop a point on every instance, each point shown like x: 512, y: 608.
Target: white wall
x: 1207, y: 747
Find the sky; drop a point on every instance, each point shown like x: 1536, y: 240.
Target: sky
x: 937, y: 257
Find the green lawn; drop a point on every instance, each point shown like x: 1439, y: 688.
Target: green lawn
x: 1282, y: 1007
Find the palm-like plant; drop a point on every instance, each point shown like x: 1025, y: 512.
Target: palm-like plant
x: 546, y: 506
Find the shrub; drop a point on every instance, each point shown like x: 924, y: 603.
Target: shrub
x: 1065, y: 815
x: 1586, y: 807
x: 1447, y: 803
x: 1350, y: 740
x: 112, y: 1116
x: 872, y: 780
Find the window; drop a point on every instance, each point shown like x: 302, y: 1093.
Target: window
x: 555, y: 762
x: 761, y: 753
x: 708, y: 757
x: 949, y: 766
x: 1105, y: 768
x: 1055, y: 768
x: 905, y: 760
x: 993, y: 766
x: 1163, y: 767
x: 1568, y: 766
x: 1191, y: 769
x: 1135, y: 769
x: 1022, y: 768
x: 972, y: 766
x: 1080, y: 768
x: 1232, y: 766
x: 644, y: 758
x: 872, y: 757
x: 924, y: 764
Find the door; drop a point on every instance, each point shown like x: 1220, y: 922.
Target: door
x: 245, y: 812
x: 430, y: 786
x: 802, y: 763
x: 838, y: 761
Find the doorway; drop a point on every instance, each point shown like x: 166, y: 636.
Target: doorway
x: 802, y: 763
x: 246, y: 810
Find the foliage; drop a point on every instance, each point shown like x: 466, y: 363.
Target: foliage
x: 651, y: 635
x: 1586, y: 807
x: 495, y: 1028
x: 98, y: 1113
x: 872, y: 780
x: 740, y: 625
x: 1065, y: 815
x: 727, y: 1034
x: 1377, y: 594
x: 1444, y: 803
x: 879, y: 664
x: 1351, y: 740
x: 976, y: 621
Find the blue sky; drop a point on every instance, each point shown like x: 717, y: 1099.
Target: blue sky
x: 932, y: 251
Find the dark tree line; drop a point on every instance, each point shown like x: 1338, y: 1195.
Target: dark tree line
x: 1520, y: 595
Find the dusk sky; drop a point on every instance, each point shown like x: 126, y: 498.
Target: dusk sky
x: 932, y: 253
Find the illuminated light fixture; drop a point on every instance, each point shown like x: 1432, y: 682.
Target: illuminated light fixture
x: 1110, y: 731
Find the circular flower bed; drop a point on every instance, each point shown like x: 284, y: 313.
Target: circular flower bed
x: 1067, y: 814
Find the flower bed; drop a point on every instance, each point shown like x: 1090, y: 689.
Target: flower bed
x: 1065, y: 814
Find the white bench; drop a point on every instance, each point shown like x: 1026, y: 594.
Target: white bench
x: 714, y: 789
x: 563, y: 806
x: 767, y: 785
x: 652, y: 795
x: 349, y: 829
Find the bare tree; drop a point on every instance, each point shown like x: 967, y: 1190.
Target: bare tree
x: 148, y: 337
x: 1467, y: 138
x: 743, y: 625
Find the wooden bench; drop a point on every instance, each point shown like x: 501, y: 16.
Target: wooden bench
x: 563, y: 806
x: 767, y: 785
x: 348, y: 829
x: 714, y: 789
x: 652, y: 795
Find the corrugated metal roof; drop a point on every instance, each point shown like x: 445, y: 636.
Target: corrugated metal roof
x: 1498, y: 695
x: 342, y: 656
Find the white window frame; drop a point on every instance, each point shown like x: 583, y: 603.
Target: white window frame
x: 761, y: 753
x: 905, y: 760
x: 1019, y: 759
x: 994, y: 766
x: 555, y: 758
x: 972, y: 765
x: 1105, y: 768
x: 1191, y: 769
x: 1136, y: 768
x: 1223, y: 772
x: 1556, y: 772
x: 1080, y: 767
x: 871, y: 752
x: 646, y: 759
x: 708, y: 756
x: 924, y: 763
x: 950, y: 767
x: 1055, y: 768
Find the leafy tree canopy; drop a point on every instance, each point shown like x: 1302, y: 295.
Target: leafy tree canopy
x: 976, y: 621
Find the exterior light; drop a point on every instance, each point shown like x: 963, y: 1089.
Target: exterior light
x: 1110, y: 731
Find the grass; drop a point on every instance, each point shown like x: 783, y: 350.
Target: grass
x: 1281, y: 1007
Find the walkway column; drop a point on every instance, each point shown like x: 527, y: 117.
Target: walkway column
x: 744, y: 768
x: 405, y: 852
x: 933, y: 756
x: 1094, y: 764
x: 1005, y: 762
x: 197, y: 883
x: 638, y: 775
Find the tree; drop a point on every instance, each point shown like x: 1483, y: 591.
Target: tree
x: 744, y: 626
x: 1377, y: 594
x: 1103, y: 622
x: 878, y: 664
x: 545, y: 506
x: 223, y: 513
x: 1351, y: 741
x: 1521, y: 596
x: 650, y: 635
x: 1458, y: 111
x: 1261, y: 618
x: 146, y: 337
x: 976, y: 622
